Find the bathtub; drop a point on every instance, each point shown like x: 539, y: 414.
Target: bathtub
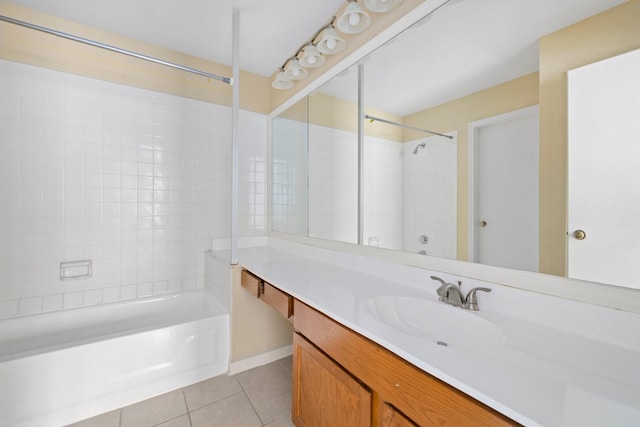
x: 61, y: 367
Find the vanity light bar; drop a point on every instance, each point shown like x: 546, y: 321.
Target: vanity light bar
x: 347, y: 24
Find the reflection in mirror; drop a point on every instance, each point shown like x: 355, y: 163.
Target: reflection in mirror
x: 333, y: 160
x: 289, y: 160
x: 471, y: 61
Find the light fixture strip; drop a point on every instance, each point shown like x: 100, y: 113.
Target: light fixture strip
x: 312, y: 41
x: 348, y: 29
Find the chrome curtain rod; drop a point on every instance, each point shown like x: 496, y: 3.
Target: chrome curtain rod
x: 114, y: 49
x: 378, y: 119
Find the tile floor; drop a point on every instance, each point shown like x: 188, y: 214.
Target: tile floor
x: 258, y: 397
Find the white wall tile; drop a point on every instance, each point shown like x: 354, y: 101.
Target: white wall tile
x: 95, y: 169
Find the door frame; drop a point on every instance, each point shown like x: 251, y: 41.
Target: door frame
x: 473, y: 139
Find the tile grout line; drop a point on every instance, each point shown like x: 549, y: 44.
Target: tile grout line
x: 250, y: 402
x: 186, y: 405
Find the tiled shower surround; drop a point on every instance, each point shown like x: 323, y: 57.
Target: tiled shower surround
x: 406, y: 195
x: 137, y: 181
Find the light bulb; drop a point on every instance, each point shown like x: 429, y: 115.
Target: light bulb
x: 312, y: 59
x: 354, y: 19
x: 331, y: 43
x: 295, y: 71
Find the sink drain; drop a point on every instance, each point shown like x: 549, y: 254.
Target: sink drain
x: 442, y: 343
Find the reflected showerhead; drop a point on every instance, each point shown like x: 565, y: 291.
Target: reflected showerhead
x: 419, y: 146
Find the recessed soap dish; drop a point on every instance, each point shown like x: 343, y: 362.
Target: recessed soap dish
x: 70, y: 270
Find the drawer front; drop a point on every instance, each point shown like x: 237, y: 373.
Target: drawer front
x: 251, y: 283
x: 277, y: 299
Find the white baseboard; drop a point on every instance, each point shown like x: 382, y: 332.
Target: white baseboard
x: 259, y: 360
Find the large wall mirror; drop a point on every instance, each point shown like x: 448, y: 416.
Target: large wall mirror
x: 465, y: 135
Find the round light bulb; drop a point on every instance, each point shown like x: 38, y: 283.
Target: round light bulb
x: 295, y: 72
x: 354, y: 19
x: 331, y: 43
x: 312, y: 59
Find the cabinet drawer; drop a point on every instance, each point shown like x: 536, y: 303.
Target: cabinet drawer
x: 277, y: 299
x: 251, y: 283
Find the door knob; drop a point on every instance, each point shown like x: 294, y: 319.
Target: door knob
x: 483, y: 224
x: 580, y: 234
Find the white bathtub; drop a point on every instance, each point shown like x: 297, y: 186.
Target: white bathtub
x: 60, y: 367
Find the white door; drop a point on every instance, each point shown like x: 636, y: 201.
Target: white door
x: 505, y: 217
x: 604, y: 171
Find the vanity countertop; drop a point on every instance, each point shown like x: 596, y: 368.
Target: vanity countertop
x: 538, y: 359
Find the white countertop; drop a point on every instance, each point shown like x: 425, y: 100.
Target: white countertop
x: 558, y: 363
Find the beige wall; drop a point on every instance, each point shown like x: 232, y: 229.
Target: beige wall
x: 43, y: 50
x: 329, y: 111
x: 456, y: 115
x: 256, y: 328
x: 607, y: 34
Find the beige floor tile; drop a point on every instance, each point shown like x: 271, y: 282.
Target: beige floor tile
x: 284, y: 421
x: 269, y: 390
x: 271, y: 399
x: 109, y: 419
x: 232, y: 411
x: 211, y: 391
x: 262, y: 374
x: 287, y: 364
x: 155, y: 410
x: 182, y: 421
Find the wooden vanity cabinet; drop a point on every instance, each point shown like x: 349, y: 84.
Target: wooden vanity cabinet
x: 280, y: 301
x: 402, y: 395
x: 324, y: 394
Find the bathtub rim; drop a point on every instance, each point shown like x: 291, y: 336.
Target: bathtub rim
x: 216, y: 309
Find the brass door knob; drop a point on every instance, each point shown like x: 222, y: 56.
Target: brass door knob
x: 580, y: 234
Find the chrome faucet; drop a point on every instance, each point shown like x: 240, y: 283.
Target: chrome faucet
x: 451, y: 293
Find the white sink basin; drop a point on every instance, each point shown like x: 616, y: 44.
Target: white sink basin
x: 439, y: 323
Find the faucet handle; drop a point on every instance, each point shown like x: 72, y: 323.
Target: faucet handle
x: 471, y: 302
x: 440, y: 290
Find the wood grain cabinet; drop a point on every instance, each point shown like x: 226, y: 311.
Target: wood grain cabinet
x: 324, y: 394
x: 251, y: 283
x: 280, y: 301
x: 401, y: 395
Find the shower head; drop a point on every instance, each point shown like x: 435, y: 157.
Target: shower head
x: 419, y: 146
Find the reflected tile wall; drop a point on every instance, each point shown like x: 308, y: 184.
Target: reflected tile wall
x: 135, y: 180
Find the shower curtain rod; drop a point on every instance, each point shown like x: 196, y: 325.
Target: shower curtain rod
x: 378, y: 119
x: 114, y: 49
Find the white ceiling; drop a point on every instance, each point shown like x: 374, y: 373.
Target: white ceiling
x: 464, y: 47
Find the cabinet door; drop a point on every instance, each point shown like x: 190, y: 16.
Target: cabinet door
x: 390, y: 417
x: 324, y: 395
